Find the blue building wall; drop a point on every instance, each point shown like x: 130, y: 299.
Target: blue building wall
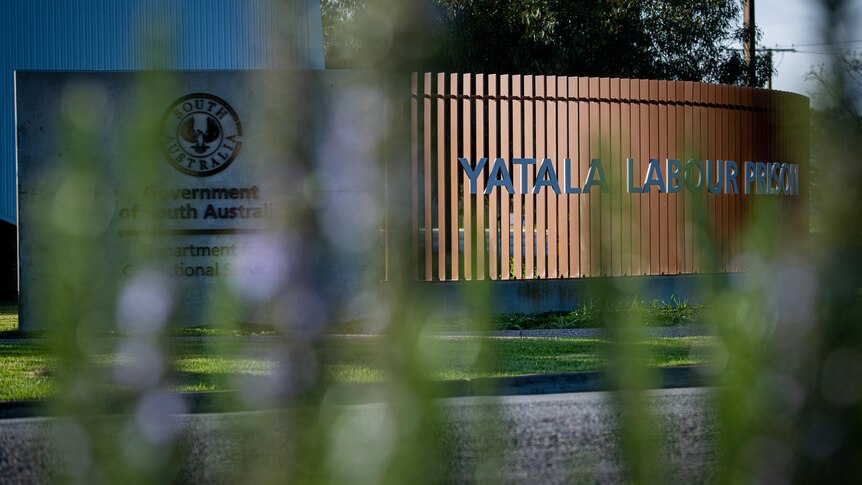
x: 141, y: 34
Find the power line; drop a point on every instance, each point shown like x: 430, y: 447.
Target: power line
x: 764, y: 49
x: 827, y: 53
x: 820, y: 44
x: 794, y: 50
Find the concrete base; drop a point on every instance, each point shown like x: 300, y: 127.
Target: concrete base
x: 538, y: 296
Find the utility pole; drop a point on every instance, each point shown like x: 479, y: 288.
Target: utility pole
x: 750, y: 49
x: 769, y: 51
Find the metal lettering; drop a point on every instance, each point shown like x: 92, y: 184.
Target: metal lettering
x: 499, y: 170
x: 473, y: 173
x: 546, y: 177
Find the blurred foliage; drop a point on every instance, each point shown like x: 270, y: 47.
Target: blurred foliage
x: 790, y: 392
x: 787, y: 406
x: 847, y: 66
x: 647, y: 39
x: 829, y: 428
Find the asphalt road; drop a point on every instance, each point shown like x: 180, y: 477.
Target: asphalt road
x: 556, y: 438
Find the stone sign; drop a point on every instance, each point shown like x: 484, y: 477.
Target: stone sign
x: 222, y: 186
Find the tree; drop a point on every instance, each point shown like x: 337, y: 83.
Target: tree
x: 658, y: 39
x: 839, y: 87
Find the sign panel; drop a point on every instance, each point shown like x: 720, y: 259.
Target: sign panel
x: 224, y: 188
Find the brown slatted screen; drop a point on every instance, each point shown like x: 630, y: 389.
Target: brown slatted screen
x: 457, y: 235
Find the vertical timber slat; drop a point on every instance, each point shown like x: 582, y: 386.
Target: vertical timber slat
x: 625, y: 153
x: 679, y: 152
x: 426, y: 151
x: 493, y: 153
x: 637, y: 176
x: 583, y: 165
x: 480, y: 182
x: 616, y: 169
x: 414, y: 169
x: 541, y: 229
x: 562, y: 200
x: 454, y: 167
x: 595, y: 231
x: 574, y: 200
x: 550, y: 153
x: 441, y: 177
x: 529, y: 229
x: 671, y: 196
x: 517, y: 152
x: 654, y: 219
x: 692, y: 148
x: 506, y: 154
x: 663, y: 226
x: 466, y: 125
x: 604, y: 155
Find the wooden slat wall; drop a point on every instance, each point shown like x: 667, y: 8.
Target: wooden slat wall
x: 462, y: 236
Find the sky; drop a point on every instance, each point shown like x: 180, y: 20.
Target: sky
x: 798, y: 22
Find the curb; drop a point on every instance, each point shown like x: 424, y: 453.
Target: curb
x: 532, y: 384
x: 22, y: 409
x: 346, y: 394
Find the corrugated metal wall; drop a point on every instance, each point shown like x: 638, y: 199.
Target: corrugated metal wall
x: 122, y: 34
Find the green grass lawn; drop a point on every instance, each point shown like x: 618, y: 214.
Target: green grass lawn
x: 24, y: 372
x: 26, y: 368
x: 8, y: 318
